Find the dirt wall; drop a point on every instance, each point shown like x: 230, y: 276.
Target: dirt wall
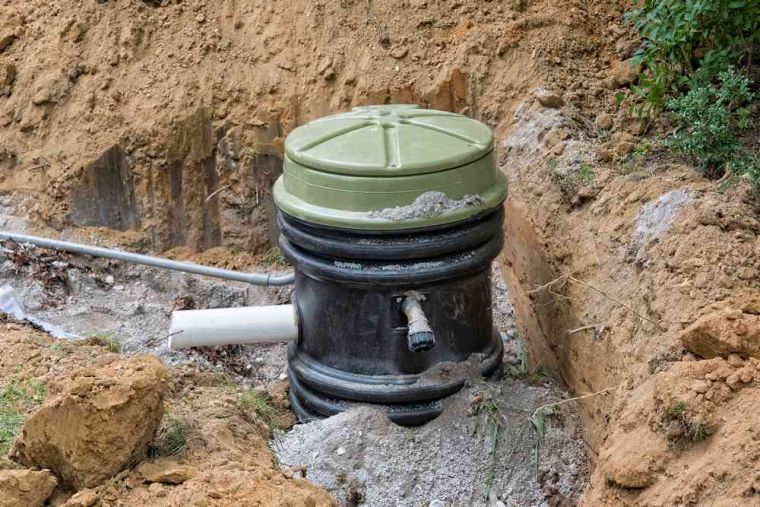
x: 131, y: 114
x: 623, y: 289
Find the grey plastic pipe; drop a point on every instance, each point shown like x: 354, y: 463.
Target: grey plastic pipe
x: 266, y: 280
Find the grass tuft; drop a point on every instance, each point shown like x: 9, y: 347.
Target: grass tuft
x: 16, y: 400
x: 172, y: 437
x: 692, y: 429
x: 259, y: 405
x: 106, y: 340
x: 274, y: 257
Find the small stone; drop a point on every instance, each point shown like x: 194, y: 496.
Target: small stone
x: 6, y: 39
x: 559, y: 149
x: 325, y: 64
x: 341, y: 451
x: 622, y: 137
x: 700, y: 386
x: 746, y: 376
x: 733, y: 380
x: 604, y: 121
x: 7, y: 78
x: 400, y: 52
x: 500, y: 504
x: 624, y: 74
x: 42, y: 97
x: 549, y: 99
x: 85, y: 498
x: 639, y: 126
x: 605, y: 155
x: 623, y: 149
x: 674, y: 430
x: 166, y: 472
x: 746, y: 273
x: 437, y: 503
x: 110, y: 280
x: 200, y: 18
x: 735, y: 361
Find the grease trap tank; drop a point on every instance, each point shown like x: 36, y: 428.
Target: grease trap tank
x: 391, y: 216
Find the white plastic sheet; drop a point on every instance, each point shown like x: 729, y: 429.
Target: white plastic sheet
x: 10, y: 304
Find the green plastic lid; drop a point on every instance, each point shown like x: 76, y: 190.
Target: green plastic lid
x: 389, y: 168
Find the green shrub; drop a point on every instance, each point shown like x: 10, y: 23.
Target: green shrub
x: 704, y: 115
x: 690, y: 42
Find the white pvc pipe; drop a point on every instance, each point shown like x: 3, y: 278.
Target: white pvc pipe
x: 228, y: 326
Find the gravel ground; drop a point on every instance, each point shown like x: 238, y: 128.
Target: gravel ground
x: 452, y: 459
x: 136, y: 307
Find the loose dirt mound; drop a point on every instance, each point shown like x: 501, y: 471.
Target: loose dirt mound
x: 213, y: 438
x: 161, y: 118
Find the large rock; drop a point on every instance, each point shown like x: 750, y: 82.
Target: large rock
x: 733, y: 329
x: 97, y: 423
x: 25, y: 488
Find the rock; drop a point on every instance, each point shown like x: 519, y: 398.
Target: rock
x: 751, y: 304
x: 110, y: 280
x: 11, y: 27
x: 85, y: 498
x: 605, y: 154
x: 674, y: 430
x: 437, y: 503
x: 746, y: 273
x: 640, y: 126
x: 341, y: 451
x: 166, y: 472
x: 735, y: 361
x: 700, y: 386
x: 42, y: 97
x: 7, y: 78
x: 625, y: 47
x: 25, y: 488
x: 632, y: 460
x: 604, y: 121
x: 623, y: 74
x: 549, y: 99
x: 324, y: 65
x: 622, y: 143
x: 720, y: 334
x: 733, y: 380
x: 623, y: 149
x: 400, y: 52
x: 111, y: 413
x: 622, y: 137
x: 6, y: 39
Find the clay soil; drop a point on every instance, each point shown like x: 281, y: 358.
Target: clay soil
x: 227, y: 444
